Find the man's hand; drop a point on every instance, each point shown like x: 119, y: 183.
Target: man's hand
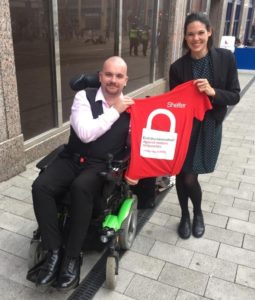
x: 123, y: 103
x: 204, y: 86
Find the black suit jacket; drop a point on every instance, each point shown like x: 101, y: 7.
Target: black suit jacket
x: 225, y: 78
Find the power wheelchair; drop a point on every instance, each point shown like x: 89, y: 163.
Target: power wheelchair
x: 114, y: 222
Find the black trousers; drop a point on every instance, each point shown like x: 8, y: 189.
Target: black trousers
x: 145, y: 191
x: 84, y: 185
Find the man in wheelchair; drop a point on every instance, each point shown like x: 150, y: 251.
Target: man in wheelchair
x: 99, y: 126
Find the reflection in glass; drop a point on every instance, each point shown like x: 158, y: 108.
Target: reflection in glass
x: 136, y: 40
x: 30, y: 29
x: 86, y: 39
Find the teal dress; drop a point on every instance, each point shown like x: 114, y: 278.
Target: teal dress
x: 206, y: 136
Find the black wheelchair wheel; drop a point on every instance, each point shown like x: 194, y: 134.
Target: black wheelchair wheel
x: 35, y: 254
x: 128, y: 227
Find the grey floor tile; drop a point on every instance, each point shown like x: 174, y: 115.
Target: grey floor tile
x: 183, y: 278
x: 14, y: 289
x: 246, y: 195
x: 17, y: 193
x: 142, y: 244
x: 237, y: 255
x: 14, y: 206
x: 159, y: 218
x: 214, y: 267
x: 159, y: 233
x: 241, y: 226
x: 123, y: 280
x: 244, y: 204
x: 215, y: 220
x: 224, y: 235
x: 249, y: 242
x: 22, y: 182
x: 229, y: 211
x: 13, y: 243
x: 208, y: 187
x: 143, y: 288
x: 167, y: 252
x: 201, y: 245
x: 172, y: 223
x: 17, y: 224
x: 141, y: 264
x: 49, y: 294
x: 14, y: 268
x: 104, y: 294
x: 183, y: 295
x: 206, y: 206
x: 247, y: 186
x: 224, y: 290
x: 224, y: 182
x: 246, y: 276
x: 170, y: 209
x: 252, y: 217
x: 218, y: 198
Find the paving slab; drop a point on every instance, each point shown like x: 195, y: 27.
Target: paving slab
x: 221, y: 289
x: 186, y: 279
x: 214, y: 267
x: 220, y: 265
x: 147, y: 289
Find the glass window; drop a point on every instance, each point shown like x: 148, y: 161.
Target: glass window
x: 31, y: 38
x: 236, y: 20
x: 248, y: 24
x: 161, y: 39
x: 136, y: 40
x: 196, y: 5
x: 87, y: 31
x: 228, y: 18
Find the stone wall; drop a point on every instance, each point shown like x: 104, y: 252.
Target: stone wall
x: 11, y: 140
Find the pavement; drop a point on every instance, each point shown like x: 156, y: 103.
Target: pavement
x: 160, y: 265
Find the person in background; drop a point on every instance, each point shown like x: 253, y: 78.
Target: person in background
x: 238, y: 43
x: 145, y: 37
x: 214, y: 72
x: 133, y: 40
x: 76, y: 170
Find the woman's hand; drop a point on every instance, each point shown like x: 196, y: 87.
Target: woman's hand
x: 131, y: 181
x: 204, y: 86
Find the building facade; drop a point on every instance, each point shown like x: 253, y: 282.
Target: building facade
x: 45, y: 43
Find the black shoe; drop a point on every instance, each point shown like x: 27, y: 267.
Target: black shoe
x: 69, y: 275
x: 198, y: 227
x: 32, y: 273
x: 49, y: 269
x: 184, y: 229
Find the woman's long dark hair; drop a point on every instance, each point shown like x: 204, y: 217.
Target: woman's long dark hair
x: 202, y: 18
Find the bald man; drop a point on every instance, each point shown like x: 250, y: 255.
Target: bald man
x: 99, y: 125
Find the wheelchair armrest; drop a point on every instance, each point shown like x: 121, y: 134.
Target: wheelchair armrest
x: 121, y: 163
x: 121, y: 160
x: 48, y: 159
x: 84, y: 81
x: 116, y: 166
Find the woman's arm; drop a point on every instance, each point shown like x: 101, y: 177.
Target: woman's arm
x: 230, y: 93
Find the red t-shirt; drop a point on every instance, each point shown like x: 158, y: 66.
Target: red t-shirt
x: 161, y: 148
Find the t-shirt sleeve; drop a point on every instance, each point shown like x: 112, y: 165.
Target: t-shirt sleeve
x: 201, y: 106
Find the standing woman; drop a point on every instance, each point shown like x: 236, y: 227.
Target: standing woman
x: 214, y: 73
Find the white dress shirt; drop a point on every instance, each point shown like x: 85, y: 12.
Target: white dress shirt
x: 81, y: 120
